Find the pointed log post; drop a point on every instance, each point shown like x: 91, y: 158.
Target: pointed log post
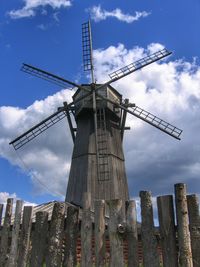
x: 167, y: 230
x: 15, y: 234
x: 149, y: 242
x: 71, y: 235
x: 86, y: 232
x: 54, y: 251
x: 117, y: 229
x: 185, y: 252
x: 25, y: 236
x: 131, y: 233
x: 99, y: 224
x: 194, y: 218
x: 39, y: 244
x: 5, y: 233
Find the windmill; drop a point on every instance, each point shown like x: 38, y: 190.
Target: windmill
x: 99, y: 112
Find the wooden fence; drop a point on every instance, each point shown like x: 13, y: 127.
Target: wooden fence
x: 76, y: 235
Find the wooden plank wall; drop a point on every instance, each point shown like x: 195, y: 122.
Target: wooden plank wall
x: 66, y: 240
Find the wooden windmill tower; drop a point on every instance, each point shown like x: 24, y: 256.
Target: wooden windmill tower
x: 100, y: 114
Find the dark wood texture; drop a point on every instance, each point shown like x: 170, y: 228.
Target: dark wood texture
x: 194, y: 219
x: 55, y: 238
x: 39, y: 244
x: 71, y: 235
x: 131, y: 233
x: 99, y: 224
x: 5, y: 233
x: 15, y: 234
x: 167, y: 231
x: 184, y: 242
x: 116, y: 222
x: 149, y: 242
x: 25, y: 237
x: 86, y: 232
x: 83, y: 177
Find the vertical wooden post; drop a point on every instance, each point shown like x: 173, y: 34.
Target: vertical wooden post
x: 116, y: 230
x: 194, y: 218
x: 167, y: 230
x: 5, y: 233
x: 1, y: 213
x: 86, y: 232
x: 185, y: 253
x: 131, y: 233
x: 149, y: 242
x: 71, y: 235
x: 99, y: 224
x: 39, y: 244
x: 54, y: 253
x: 25, y: 236
x: 15, y: 234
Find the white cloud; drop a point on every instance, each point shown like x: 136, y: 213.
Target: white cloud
x: 5, y: 195
x: 98, y: 14
x: 46, y: 159
x: 154, y: 160
x: 30, y: 7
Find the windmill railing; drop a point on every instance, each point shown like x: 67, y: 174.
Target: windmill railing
x: 60, y: 234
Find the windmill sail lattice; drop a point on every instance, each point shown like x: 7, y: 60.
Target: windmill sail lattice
x: 38, y: 129
x: 139, y: 64
x: 100, y: 115
x: 156, y: 122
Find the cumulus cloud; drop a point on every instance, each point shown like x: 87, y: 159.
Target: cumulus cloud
x: 171, y: 90
x: 45, y: 160
x: 98, y: 14
x: 155, y: 161
x: 30, y: 7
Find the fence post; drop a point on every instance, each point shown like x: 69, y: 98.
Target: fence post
x: 15, y: 234
x: 25, y: 236
x: 39, y: 239
x: 71, y: 235
x: 131, y: 233
x: 5, y: 233
x: 54, y: 251
x: 194, y: 218
x: 167, y: 230
x: 185, y: 253
x: 1, y: 213
x: 116, y: 230
x: 149, y: 242
x: 86, y: 232
x: 99, y: 224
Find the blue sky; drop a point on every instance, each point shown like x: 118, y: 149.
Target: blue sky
x: 47, y: 34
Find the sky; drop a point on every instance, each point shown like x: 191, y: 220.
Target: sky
x: 47, y: 34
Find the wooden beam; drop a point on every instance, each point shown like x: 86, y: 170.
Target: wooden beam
x: 69, y: 121
x: 123, y: 121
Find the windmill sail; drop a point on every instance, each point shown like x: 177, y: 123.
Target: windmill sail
x: 139, y: 64
x: 38, y: 129
x: 45, y: 75
x: 87, y: 48
x: 155, y: 121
